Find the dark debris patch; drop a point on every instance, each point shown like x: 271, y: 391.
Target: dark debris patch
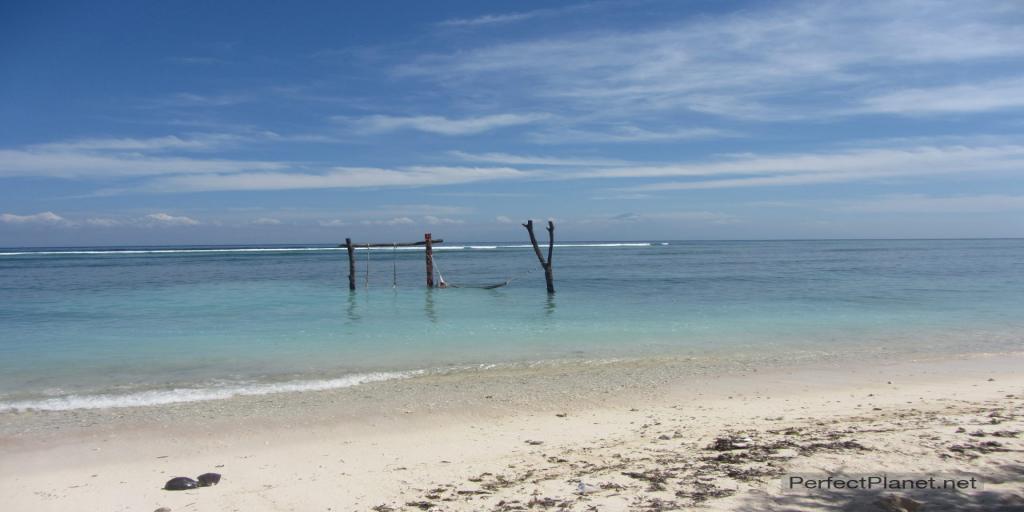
x: 978, y: 448
x: 422, y: 505
x: 753, y: 473
x: 655, y: 478
x: 998, y: 433
x: 705, y: 491
x: 509, y: 506
x: 545, y: 503
x: 810, y: 449
x: 656, y: 504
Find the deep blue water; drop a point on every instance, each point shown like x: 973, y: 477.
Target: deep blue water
x: 91, y: 327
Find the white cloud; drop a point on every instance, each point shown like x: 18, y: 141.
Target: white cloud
x: 46, y: 218
x: 977, y: 97
x: 84, y: 164
x: 439, y: 124
x: 677, y: 216
x: 490, y: 19
x: 267, y: 221
x: 187, y: 99
x: 921, y: 203
x: 432, y: 220
x: 164, y: 219
x: 501, y: 219
x: 170, y: 142
x: 333, y: 223
x: 507, y: 159
x: 102, y: 222
x: 397, y: 221
x: 419, y: 209
x: 771, y: 61
x: 808, y: 168
x: 342, y: 177
x: 623, y: 133
x: 52, y: 219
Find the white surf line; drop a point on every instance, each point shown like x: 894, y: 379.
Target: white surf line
x: 116, y: 252
x: 180, y: 395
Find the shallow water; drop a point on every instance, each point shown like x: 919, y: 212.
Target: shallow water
x: 88, y: 327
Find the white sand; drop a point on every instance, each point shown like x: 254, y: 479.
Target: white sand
x: 644, y: 447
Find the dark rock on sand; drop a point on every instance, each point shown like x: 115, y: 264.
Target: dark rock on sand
x: 181, y: 483
x: 208, y: 479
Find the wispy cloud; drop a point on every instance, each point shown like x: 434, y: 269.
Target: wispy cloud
x: 835, y: 167
x: 193, y: 100
x: 203, y: 141
x: 46, y: 218
x: 432, y: 220
x: 780, y: 62
x: 52, y: 219
x: 127, y: 157
x: 396, y: 221
x: 922, y: 203
x: 332, y: 223
x: 71, y: 163
x: 343, y: 177
x: 487, y: 20
x: 166, y: 219
x: 509, y: 159
x: 491, y: 19
x: 623, y: 134
x: 704, y: 217
x: 103, y: 222
x: 438, y: 124
x: 975, y: 97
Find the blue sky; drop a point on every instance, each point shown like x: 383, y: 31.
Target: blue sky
x: 256, y: 122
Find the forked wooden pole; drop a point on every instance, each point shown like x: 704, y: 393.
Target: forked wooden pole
x: 545, y: 264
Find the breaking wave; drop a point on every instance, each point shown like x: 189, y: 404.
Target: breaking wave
x: 181, y: 395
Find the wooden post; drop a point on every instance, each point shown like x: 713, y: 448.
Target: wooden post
x: 548, y: 276
x: 546, y: 265
x: 351, y: 264
x: 430, y: 259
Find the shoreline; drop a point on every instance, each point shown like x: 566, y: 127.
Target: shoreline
x: 681, y: 360
x: 280, y: 448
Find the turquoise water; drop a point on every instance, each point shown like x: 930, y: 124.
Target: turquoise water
x: 97, y: 328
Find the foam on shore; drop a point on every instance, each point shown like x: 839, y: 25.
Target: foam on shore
x: 180, y: 395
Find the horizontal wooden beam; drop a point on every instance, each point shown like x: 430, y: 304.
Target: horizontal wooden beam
x: 421, y: 243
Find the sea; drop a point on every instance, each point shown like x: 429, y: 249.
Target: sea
x: 101, y: 327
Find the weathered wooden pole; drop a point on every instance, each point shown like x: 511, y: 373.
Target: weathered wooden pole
x: 351, y: 264
x: 548, y: 276
x: 546, y: 265
x: 430, y: 259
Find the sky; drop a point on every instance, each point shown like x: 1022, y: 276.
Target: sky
x: 249, y: 122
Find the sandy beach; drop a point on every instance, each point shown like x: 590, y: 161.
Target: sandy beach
x: 547, y: 438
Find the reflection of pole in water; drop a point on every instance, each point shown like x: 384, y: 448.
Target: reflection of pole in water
x: 549, y: 305
x: 350, y: 310
x: 428, y: 306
